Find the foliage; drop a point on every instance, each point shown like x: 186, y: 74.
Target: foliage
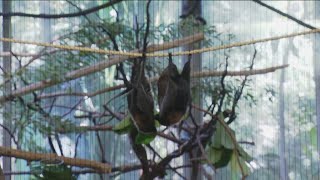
x: 43, y: 118
x: 44, y: 171
x: 313, y: 135
x: 126, y: 125
x: 223, y: 150
x: 36, y: 118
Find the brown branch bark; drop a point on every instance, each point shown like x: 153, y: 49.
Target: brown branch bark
x: 100, y: 66
x: 56, y: 16
x: 123, y: 169
x: 31, y: 156
x: 239, y: 73
x: 154, y: 79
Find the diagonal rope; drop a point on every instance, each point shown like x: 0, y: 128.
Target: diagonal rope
x: 133, y: 54
x: 75, y: 48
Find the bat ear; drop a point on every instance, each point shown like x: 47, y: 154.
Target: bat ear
x: 170, y: 58
x: 186, y: 69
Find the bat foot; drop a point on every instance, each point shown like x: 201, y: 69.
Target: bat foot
x: 182, y: 146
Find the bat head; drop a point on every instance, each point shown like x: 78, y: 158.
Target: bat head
x: 186, y: 70
x: 172, y: 68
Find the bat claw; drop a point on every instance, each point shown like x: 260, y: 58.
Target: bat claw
x: 182, y: 146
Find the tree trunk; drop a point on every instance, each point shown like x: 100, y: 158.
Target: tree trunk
x: 282, y: 141
x: 1, y: 174
x: 192, y: 8
x: 6, y: 8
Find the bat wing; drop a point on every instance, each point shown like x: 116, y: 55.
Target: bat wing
x: 162, y: 86
x: 167, y: 106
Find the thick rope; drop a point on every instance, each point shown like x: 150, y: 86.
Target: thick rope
x: 132, y: 54
x: 75, y: 48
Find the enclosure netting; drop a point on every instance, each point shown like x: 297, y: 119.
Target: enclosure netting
x: 75, y: 104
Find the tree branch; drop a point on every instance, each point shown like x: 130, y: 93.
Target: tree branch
x: 237, y: 95
x: 99, y: 66
x: 31, y: 156
x: 56, y: 16
x: 38, y: 55
x: 11, y: 134
x: 285, y: 15
x: 154, y: 79
x: 6, y: 54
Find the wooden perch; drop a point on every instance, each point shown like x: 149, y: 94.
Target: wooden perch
x: 30, y: 156
x: 99, y: 66
x: 154, y: 79
x: 239, y: 73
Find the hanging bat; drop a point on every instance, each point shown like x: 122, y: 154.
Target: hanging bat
x: 174, y: 95
x: 140, y: 100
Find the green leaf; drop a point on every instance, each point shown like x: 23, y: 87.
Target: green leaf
x: 222, y: 138
x: 236, y: 164
x: 244, y: 154
x: 214, y: 155
x: 245, y: 167
x: 219, y: 157
x: 222, y: 148
x: 225, y: 158
x: 50, y: 171
x: 186, y: 115
x: 57, y: 172
x: 157, y: 124
x: 67, y: 126
x: 313, y: 135
x: 144, y: 138
x: 124, y: 126
x: 156, y: 114
x: 35, y: 169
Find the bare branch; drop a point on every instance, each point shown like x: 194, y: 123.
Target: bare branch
x: 285, y: 15
x: 56, y: 16
x: 86, y: 128
x: 246, y: 142
x: 11, y: 134
x: 5, y: 54
x: 238, y: 93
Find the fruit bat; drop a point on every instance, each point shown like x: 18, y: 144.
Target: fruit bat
x: 174, y: 95
x: 140, y: 100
